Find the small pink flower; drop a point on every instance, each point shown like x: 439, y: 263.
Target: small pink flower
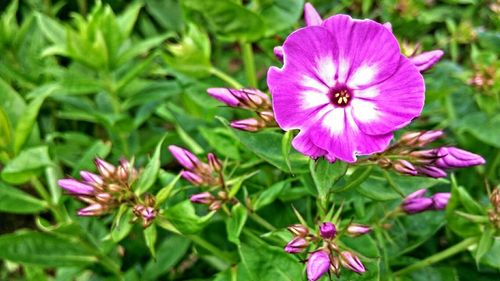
x: 346, y: 87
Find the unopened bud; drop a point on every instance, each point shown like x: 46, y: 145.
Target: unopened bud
x: 352, y: 262
x: 298, y: 230
x: 115, y: 187
x: 214, y: 162
x: 187, y: 159
x: 103, y: 197
x: 215, y: 206
x: 355, y: 229
x: 222, y: 195
x: 267, y: 116
x: 327, y: 230
x: 431, y: 171
x: 121, y: 173
x: 91, y: 178
x: 250, y: 124
x: 440, y: 200
x: 192, y: 177
x: 92, y: 210
x: 419, y: 139
x: 317, y: 265
x: 105, y: 169
x: 335, y: 265
x: 417, y: 205
x: 202, y: 198
x: 405, y: 167
x: 452, y: 157
x: 495, y: 199
x: 297, y: 245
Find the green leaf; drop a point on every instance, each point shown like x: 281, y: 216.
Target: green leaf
x: 482, y: 127
x: 16, y: 201
x: 280, y: 14
x: 184, y: 218
x: 150, y: 235
x: 286, y: 146
x: 270, y: 194
x: 27, y: 121
x: 171, y: 251
x: 44, y: 249
x: 326, y: 174
x: 485, y: 243
x: 27, y: 164
x: 229, y: 19
x: 122, y: 224
x: 128, y: 18
x: 266, y: 145
x: 221, y: 141
x: 469, y: 203
x: 150, y: 173
x: 166, y: 191
x: 356, y: 179
x: 52, y: 29
x: 235, y: 223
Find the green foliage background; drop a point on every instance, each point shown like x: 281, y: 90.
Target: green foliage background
x: 80, y: 79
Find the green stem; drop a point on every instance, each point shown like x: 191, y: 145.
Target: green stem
x: 262, y: 222
x: 392, y: 184
x: 249, y: 62
x: 439, y: 256
x: 211, y: 248
x: 226, y: 78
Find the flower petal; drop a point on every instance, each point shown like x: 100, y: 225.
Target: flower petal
x: 302, y: 143
x: 311, y: 16
x: 392, y: 104
x: 368, y: 51
x: 338, y: 133
x: 301, y: 87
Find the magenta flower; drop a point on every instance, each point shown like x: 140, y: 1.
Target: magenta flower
x: 327, y: 230
x: 452, y: 157
x: 346, y: 87
x: 440, y: 200
x: 317, y: 265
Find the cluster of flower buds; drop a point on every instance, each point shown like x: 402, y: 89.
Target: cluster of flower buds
x: 104, y: 191
x: 214, y: 202
x: 197, y: 172
x: 484, y: 79
x: 329, y: 257
x: 494, y: 213
x: 415, y: 161
x: 249, y: 99
x: 417, y: 203
x: 146, y: 211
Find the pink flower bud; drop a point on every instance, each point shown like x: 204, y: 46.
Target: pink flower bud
x: 214, y: 162
x: 335, y: 265
x: 224, y: 95
x: 267, y: 116
x: 431, y: 171
x: 417, y: 205
x: 440, y: 200
x: 327, y: 230
x: 426, y: 60
x: 75, y: 187
x: 105, y: 169
x: 187, y: 159
x: 311, y: 16
x: 355, y: 229
x: 91, y: 178
x: 317, y: 265
x: 405, y: 167
x: 452, y: 157
x: 421, y: 138
x: 192, y: 177
x: 202, y: 198
x: 352, y: 262
x: 103, y: 197
x: 417, y: 194
x: 250, y: 124
x: 92, y: 210
x: 298, y: 230
x: 297, y: 245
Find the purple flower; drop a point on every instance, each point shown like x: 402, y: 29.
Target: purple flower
x: 317, y: 265
x: 244, y: 98
x: 352, y: 262
x: 346, y: 87
x: 417, y: 205
x: 431, y: 171
x: 452, y: 157
x: 327, y: 230
x: 187, y: 159
x: 192, y: 177
x: 76, y: 187
x: 202, y: 198
x: 440, y: 200
x: 426, y: 60
x: 355, y: 229
x: 297, y: 245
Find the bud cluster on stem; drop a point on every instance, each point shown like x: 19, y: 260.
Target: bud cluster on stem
x: 108, y: 190
x: 494, y: 213
x: 248, y: 99
x: 409, y: 156
x: 329, y: 257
